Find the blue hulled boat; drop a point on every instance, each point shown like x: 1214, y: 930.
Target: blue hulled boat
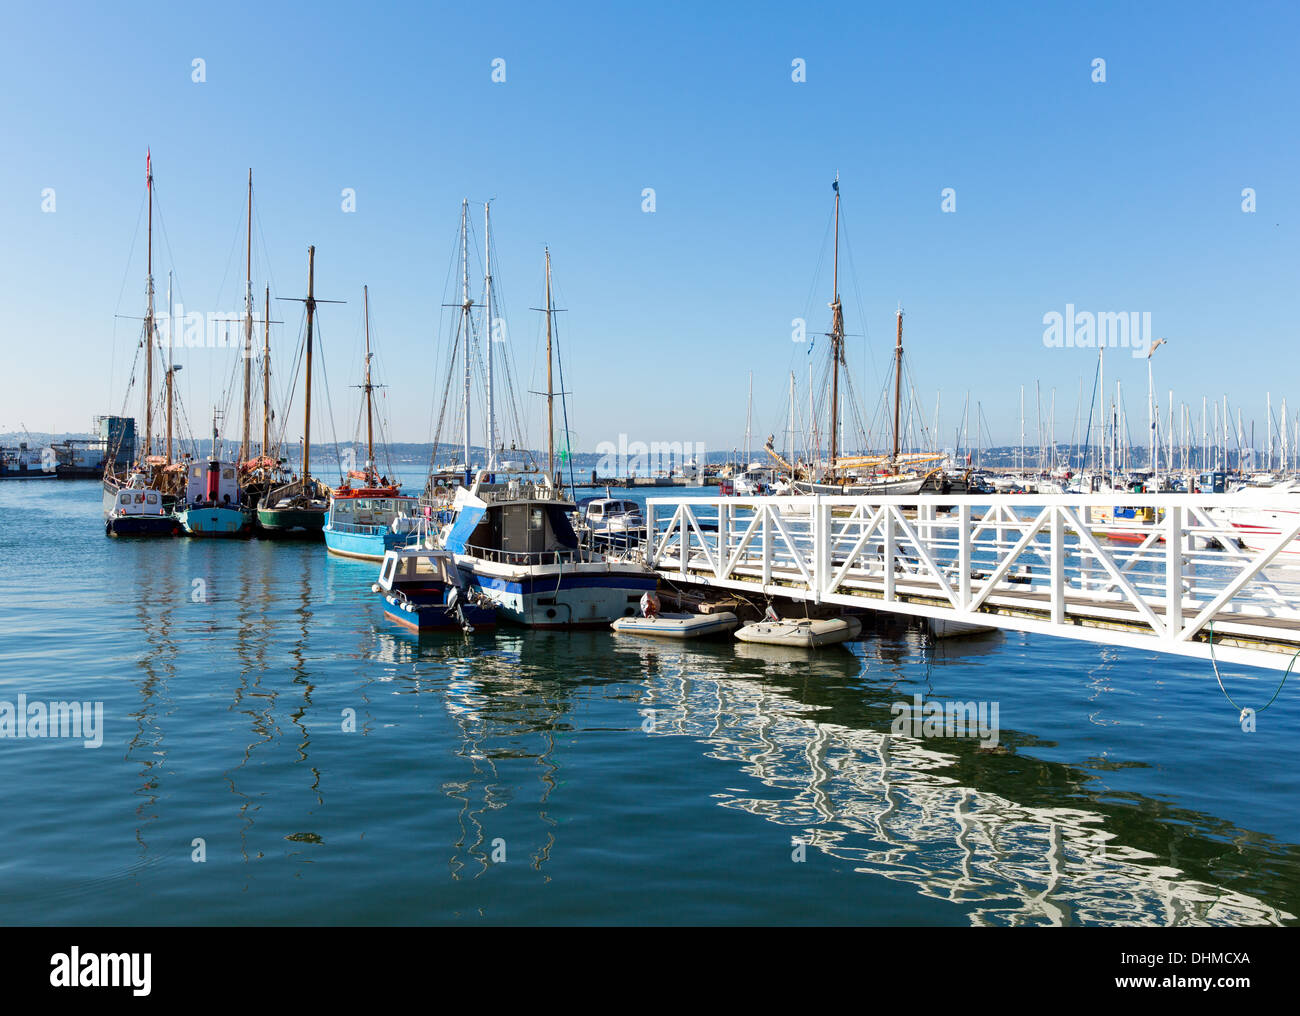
x: 423, y: 592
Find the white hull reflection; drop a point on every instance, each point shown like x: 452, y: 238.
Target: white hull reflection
x: 888, y: 806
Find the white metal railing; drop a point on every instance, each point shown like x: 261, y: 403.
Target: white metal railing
x: 1060, y: 564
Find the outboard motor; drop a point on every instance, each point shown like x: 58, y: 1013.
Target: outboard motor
x: 453, y: 607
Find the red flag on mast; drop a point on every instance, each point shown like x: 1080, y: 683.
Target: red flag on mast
x: 148, y: 170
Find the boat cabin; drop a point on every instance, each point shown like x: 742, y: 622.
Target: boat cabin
x: 211, y: 483
x: 516, y: 532
x: 370, y: 512
x: 138, y: 501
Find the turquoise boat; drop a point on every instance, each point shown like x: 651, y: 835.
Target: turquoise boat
x: 213, y: 505
x: 367, y: 522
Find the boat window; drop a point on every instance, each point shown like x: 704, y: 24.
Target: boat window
x: 597, y: 510
x: 125, y: 499
x: 153, y: 498
x: 536, y: 519
x: 363, y: 504
x: 228, y: 474
x: 390, y: 563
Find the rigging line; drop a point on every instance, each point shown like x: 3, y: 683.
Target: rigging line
x: 564, y: 407
x: 442, y: 412
x: 329, y: 403
x: 234, y: 246
x: 135, y: 236
x: 857, y: 290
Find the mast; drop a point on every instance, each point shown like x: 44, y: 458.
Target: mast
x: 266, y: 374
x: 487, y: 314
x: 789, y: 434
x: 837, y: 339
x: 749, y: 415
x: 306, y: 423
x: 370, y: 422
x: 248, y: 323
x: 466, y: 303
x: 148, y: 320
x: 898, y: 384
x: 171, y: 367
x: 550, y: 390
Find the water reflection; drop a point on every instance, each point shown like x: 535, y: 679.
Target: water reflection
x: 154, y: 610
x: 507, y: 708
x: 894, y: 806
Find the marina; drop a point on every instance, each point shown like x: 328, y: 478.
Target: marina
x: 831, y: 468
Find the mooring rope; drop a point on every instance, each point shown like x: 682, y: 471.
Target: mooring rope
x: 1240, y: 709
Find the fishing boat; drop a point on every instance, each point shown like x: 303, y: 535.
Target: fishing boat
x: 514, y: 541
x: 368, y: 515
x: 423, y: 592
x: 138, y: 500
x: 139, y: 510
x: 803, y: 633
x: 677, y: 625
x: 24, y: 463
x: 213, y: 504
x: 299, y: 507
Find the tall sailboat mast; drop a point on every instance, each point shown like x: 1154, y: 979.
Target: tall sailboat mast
x: 837, y: 337
x: 487, y: 316
x: 244, y: 449
x: 370, y: 417
x: 466, y: 304
x: 898, y: 384
x: 148, y: 320
x: 550, y: 388
x: 311, y: 310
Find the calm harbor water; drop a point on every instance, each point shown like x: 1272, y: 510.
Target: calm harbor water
x: 529, y: 777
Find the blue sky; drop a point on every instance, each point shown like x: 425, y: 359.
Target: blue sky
x: 1115, y: 196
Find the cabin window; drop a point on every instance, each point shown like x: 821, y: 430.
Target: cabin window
x: 125, y: 499
x: 389, y: 565
x: 153, y: 498
x: 596, y: 511
x: 228, y: 474
x: 197, y: 472
x: 536, y: 519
